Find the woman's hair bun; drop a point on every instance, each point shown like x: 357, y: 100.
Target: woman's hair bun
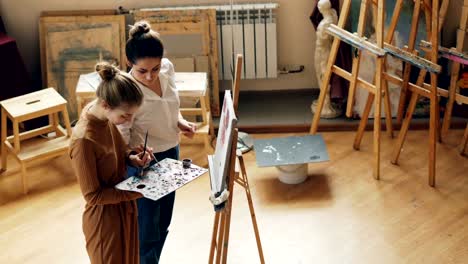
x: 139, y: 28
x: 106, y: 70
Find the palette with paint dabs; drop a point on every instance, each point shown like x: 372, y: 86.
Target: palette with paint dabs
x: 162, y: 178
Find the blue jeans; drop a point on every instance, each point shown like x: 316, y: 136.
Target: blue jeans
x: 154, y: 217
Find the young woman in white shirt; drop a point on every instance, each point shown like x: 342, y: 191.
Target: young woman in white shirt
x: 160, y: 116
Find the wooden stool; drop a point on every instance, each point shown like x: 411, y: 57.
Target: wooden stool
x: 194, y: 84
x: 26, y: 107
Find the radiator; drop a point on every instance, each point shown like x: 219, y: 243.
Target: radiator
x: 247, y: 29
x: 250, y: 30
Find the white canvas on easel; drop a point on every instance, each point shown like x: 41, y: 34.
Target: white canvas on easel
x: 218, y: 163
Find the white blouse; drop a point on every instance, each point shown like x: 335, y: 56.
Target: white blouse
x: 157, y: 115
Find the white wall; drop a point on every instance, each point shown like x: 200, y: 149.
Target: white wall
x: 296, y: 35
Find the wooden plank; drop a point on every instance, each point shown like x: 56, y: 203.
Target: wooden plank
x: 34, y: 133
x: 102, y: 12
x: 355, y: 41
x: 71, y: 45
x: 183, y: 64
x: 50, y: 148
x: 32, y: 102
x: 191, y: 111
x: 346, y: 75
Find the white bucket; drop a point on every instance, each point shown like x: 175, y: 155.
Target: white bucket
x: 292, y: 174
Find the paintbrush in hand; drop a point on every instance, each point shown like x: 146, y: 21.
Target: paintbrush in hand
x: 140, y: 172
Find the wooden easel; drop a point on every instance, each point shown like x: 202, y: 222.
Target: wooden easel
x: 453, y: 95
x: 380, y: 85
x: 237, y: 174
x: 430, y: 91
x: 359, y: 42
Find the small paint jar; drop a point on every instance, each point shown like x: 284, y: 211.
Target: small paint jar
x: 186, y: 163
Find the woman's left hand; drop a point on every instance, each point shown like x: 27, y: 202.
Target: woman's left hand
x: 141, y: 158
x: 187, y: 128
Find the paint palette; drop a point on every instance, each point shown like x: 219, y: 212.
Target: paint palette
x: 162, y: 178
x: 290, y: 150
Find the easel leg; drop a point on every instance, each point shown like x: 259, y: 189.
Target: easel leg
x: 377, y: 124
x: 356, y: 60
x: 388, y: 109
x: 24, y: 176
x: 220, y: 245
x: 331, y: 61
x: 251, y: 207
x: 214, y: 236
x: 324, y: 85
x: 380, y: 61
x: 227, y: 226
x: 434, y: 109
x: 3, y: 138
x: 433, y: 130
x: 464, y: 142
x: 404, y: 128
x: 407, y: 69
x: 451, y: 99
x: 363, y: 122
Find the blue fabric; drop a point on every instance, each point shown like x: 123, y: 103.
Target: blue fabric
x: 154, y: 217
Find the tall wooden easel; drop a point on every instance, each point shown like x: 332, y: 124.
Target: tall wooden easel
x: 360, y: 43
x: 237, y: 174
x: 454, y: 54
x: 381, y: 76
x: 430, y: 91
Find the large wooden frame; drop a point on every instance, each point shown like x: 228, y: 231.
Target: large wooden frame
x: 72, y: 42
x: 199, y: 21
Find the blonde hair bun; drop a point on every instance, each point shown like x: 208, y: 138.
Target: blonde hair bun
x: 139, y: 28
x: 106, y: 70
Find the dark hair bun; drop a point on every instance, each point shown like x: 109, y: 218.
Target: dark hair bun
x: 139, y: 28
x: 106, y: 70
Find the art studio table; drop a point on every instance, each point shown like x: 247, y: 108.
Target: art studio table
x: 290, y: 155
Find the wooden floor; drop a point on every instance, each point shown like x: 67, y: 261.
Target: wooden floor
x: 339, y: 215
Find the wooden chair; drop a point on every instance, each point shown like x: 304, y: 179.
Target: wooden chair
x: 195, y: 84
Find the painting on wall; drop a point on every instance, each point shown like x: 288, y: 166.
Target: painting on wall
x: 72, y: 45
